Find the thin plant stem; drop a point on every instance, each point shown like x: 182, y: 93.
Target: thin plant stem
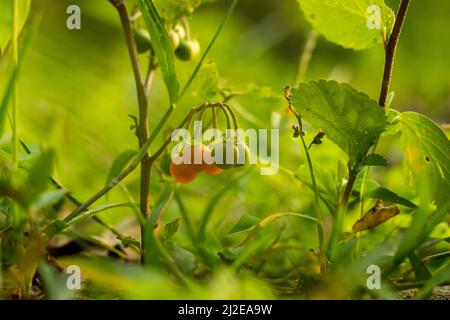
x: 15, y: 102
x: 320, y: 231
x: 142, y: 129
x: 390, y: 52
x: 319, y: 217
x: 142, y: 88
x: 391, y: 49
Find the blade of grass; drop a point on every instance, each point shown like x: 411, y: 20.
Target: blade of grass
x: 59, y: 225
x: 163, y: 47
x: 440, y: 277
x: 267, y: 220
x: 15, y: 102
x: 421, y: 226
x: 90, y: 239
x: 15, y: 73
x: 90, y: 213
x: 420, y: 269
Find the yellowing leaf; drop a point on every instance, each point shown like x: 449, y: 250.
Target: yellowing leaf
x: 376, y: 216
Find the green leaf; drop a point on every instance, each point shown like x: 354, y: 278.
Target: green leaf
x: 163, y: 47
x: 349, y: 118
x: 427, y: 153
x: 420, y: 269
x: 6, y: 19
x: 205, y: 87
x: 119, y: 164
x: 374, y: 160
x: 346, y: 22
x: 384, y: 194
x: 129, y: 241
x: 170, y: 229
x: 245, y: 222
x: 173, y: 10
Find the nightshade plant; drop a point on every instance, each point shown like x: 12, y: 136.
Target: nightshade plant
x: 254, y: 256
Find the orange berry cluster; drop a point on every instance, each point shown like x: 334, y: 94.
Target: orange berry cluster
x: 186, y: 171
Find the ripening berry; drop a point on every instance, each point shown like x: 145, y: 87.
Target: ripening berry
x: 174, y: 39
x: 179, y: 29
x: 198, y: 156
x: 182, y: 173
x: 213, y: 170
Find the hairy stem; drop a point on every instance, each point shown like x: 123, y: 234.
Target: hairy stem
x: 391, y: 49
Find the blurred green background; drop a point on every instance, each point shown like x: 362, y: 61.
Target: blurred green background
x: 77, y: 88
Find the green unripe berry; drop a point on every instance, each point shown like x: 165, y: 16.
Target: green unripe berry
x: 224, y: 150
x: 188, y: 50
x: 142, y: 39
x: 174, y: 39
x: 179, y: 29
